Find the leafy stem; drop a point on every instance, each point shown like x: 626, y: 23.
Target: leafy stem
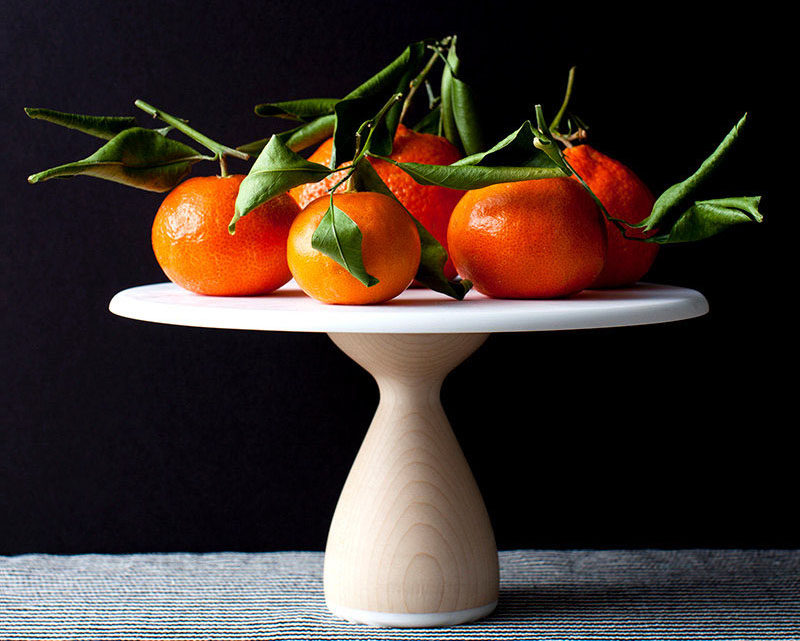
x: 541, y: 123
x: 420, y: 79
x: 220, y: 151
x: 621, y: 225
x: 432, y: 99
x: 567, y: 138
x: 350, y: 171
x: 362, y: 145
x: 360, y: 137
x: 544, y: 141
x: 567, y: 95
x: 372, y: 125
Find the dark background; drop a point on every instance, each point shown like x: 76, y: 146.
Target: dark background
x: 120, y: 436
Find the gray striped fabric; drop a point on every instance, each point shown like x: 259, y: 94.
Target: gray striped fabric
x: 696, y: 594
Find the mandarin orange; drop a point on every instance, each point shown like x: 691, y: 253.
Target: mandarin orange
x: 531, y: 239
x: 626, y: 197
x: 430, y: 205
x: 193, y: 247
x: 390, y: 248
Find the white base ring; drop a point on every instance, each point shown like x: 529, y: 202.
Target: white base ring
x: 405, y: 620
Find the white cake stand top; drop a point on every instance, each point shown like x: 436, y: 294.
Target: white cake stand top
x: 416, y: 311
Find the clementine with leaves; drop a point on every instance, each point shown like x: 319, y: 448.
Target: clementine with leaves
x: 531, y: 239
x: 430, y: 205
x: 625, y: 197
x: 390, y: 249
x: 192, y: 244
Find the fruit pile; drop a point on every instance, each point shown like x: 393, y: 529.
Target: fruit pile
x: 380, y: 206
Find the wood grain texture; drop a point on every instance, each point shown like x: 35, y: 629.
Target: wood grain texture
x: 410, y: 533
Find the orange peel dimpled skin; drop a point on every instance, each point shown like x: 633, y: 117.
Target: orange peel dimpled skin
x: 430, y: 205
x: 192, y: 244
x: 390, y: 249
x: 533, y: 239
x: 626, y: 197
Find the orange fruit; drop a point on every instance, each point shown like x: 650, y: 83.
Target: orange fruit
x: 390, y: 248
x: 625, y: 196
x: 430, y: 205
x: 192, y: 244
x: 532, y: 239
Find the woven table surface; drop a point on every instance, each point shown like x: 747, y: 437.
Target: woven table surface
x: 564, y: 595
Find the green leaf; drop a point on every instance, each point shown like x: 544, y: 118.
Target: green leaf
x: 430, y: 123
x: 105, y: 127
x: 385, y: 82
x: 254, y: 148
x: 303, y: 110
x: 518, y: 149
x: 448, y: 121
x: 431, y: 267
x: 298, y: 138
x: 136, y: 157
x: 465, y: 113
x: 471, y: 176
x: 706, y: 218
x: 671, y: 206
x: 366, y: 100
x: 338, y: 237
x: 275, y: 171
x: 459, y: 114
x: 677, y: 217
x: 309, y: 134
x: 433, y: 255
x: 547, y: 144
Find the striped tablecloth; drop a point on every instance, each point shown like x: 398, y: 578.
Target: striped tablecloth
x: 564, y: 595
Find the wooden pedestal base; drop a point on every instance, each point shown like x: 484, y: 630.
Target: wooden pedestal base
x: 410, y: 544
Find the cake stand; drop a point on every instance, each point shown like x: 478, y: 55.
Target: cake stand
x: 410, y: 544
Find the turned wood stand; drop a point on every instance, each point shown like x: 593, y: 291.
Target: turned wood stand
x: 410, y: 544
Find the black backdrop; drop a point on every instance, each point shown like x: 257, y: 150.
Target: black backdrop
x: 125, y: 436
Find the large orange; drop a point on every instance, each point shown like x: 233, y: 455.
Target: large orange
x: 532, y: 239
x: 430, y: 205
x: 192, y: 244
x: 389, y: 246
x: 625, y: 196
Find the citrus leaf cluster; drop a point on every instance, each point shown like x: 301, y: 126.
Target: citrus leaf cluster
x: 458, y: 112
x: 135, y: 156
x: 105, y: 127
x: 433, y: 257
x: 341, y: 118
x: 514, y: 158
x: 679, y: 216
x: 363, y: 124
x: 278, y: 168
